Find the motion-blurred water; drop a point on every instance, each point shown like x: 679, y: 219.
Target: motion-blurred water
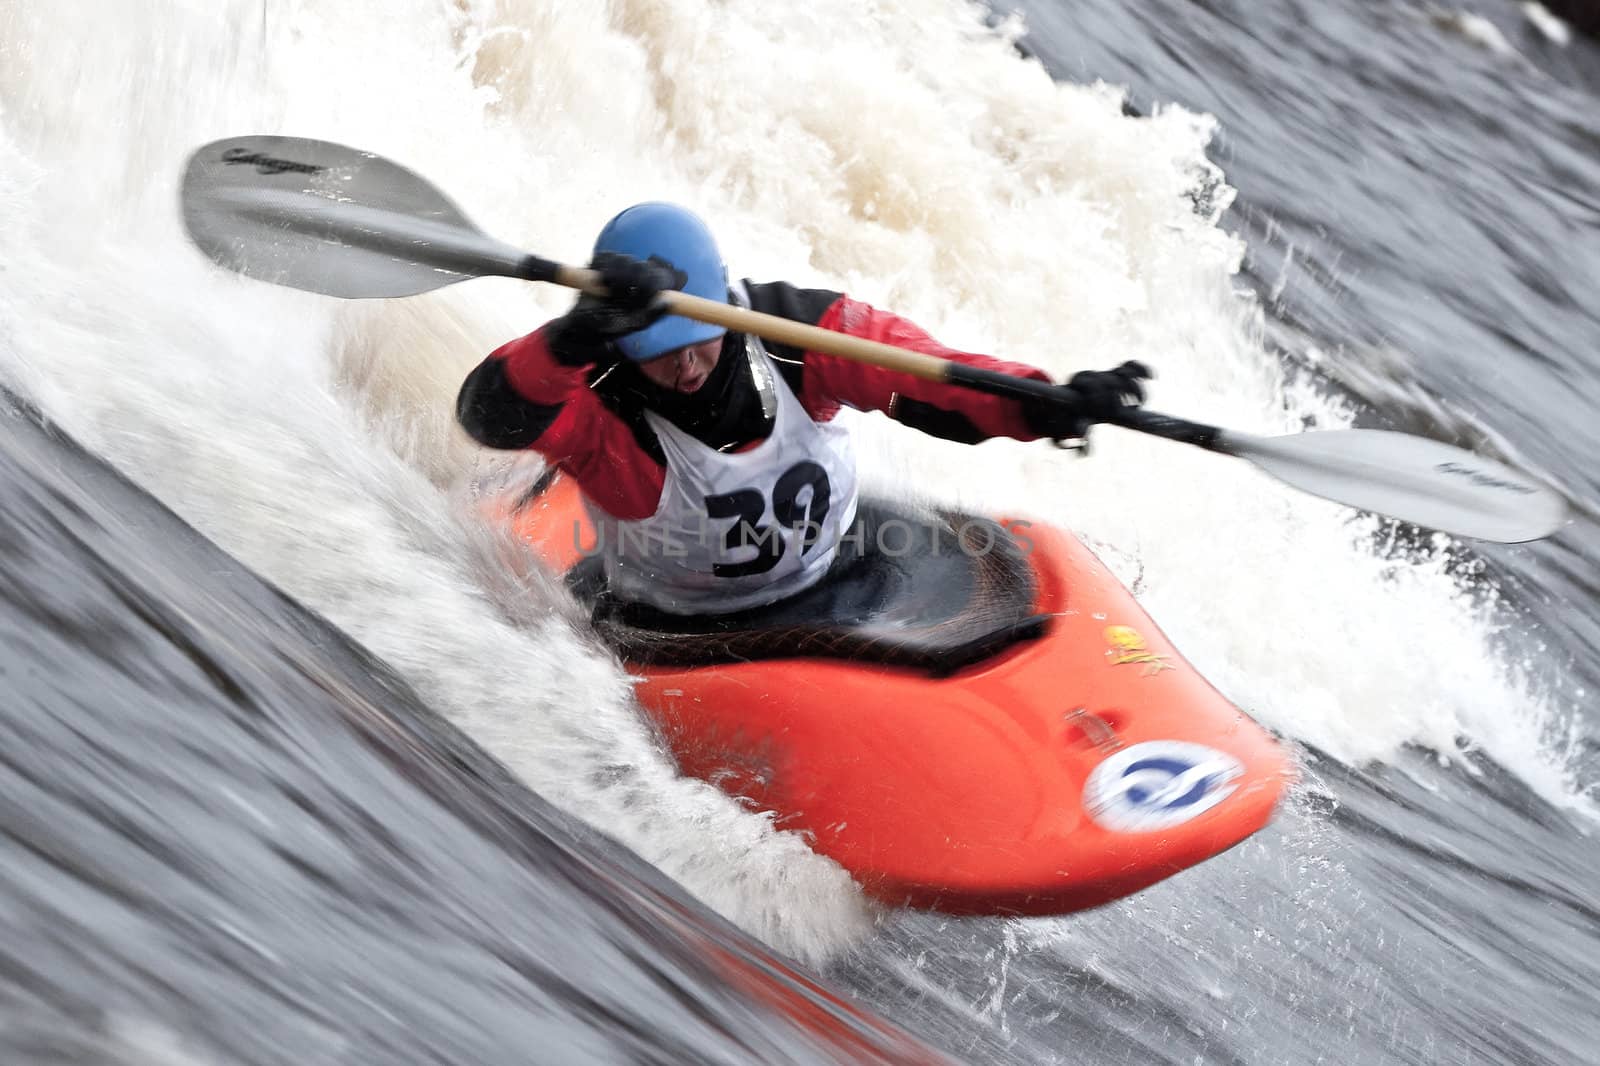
x: 1299, y: 214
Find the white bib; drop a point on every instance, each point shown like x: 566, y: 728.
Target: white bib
x: 737, y: 529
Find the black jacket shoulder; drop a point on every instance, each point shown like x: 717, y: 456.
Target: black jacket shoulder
x: 798, y: 305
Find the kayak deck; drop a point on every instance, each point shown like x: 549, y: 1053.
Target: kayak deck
x: 940, y: 599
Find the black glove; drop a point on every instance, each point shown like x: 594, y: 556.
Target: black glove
x: 584, y: 334
x: 1090, y: 396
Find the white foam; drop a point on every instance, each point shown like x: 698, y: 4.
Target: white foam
x: 896, y: 149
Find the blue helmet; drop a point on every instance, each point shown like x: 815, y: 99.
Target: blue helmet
x: 678, y: 236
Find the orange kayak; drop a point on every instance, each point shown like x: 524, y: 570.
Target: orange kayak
x: 976, y: 717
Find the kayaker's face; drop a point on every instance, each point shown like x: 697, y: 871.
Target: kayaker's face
x: 685, y: 369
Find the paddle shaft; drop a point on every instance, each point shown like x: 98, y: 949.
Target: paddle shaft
x: 917, y: 364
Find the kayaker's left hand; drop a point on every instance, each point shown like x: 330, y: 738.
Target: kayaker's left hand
x: 1090, y: 396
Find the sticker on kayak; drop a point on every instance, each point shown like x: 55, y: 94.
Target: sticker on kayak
x: 1128, y: 646
x: 1158, y: 784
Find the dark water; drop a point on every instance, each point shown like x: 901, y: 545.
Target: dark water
x: 228, y: 835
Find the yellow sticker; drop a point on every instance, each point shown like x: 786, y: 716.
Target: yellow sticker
x: 1128, y: 646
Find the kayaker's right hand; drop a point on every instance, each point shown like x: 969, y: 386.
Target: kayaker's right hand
x: 584, y: 334
x: 1090, y: 396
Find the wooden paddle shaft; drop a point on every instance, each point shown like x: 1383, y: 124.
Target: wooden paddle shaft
x: 927, y: 367
x: 772, y: 328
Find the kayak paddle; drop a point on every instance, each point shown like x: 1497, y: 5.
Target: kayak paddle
x: 330, y: 219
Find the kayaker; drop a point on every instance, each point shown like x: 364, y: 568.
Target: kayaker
x: 710, y: 461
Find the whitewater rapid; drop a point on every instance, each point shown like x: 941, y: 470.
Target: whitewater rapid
x: 902, y: 151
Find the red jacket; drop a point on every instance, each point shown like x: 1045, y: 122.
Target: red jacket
x: 521, y: 397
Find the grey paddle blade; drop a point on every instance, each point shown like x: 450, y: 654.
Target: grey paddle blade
x: 331, y: 219
x: 1414, y: 479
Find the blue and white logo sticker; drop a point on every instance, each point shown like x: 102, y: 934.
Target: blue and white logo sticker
x: 1158, y: 784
